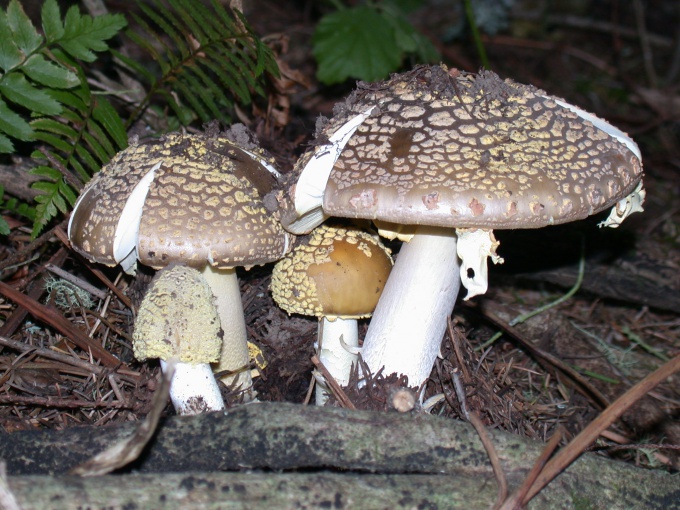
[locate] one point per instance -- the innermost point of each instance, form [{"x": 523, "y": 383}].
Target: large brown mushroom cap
[
  {"x": 332, "y": 272},
  {"x": 454, "y": 149},
  {"x": 205, "y": 204}
]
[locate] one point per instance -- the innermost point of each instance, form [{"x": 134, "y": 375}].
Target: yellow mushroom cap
[
  {"x": 178, "y": 319},
  {"x": 333, "y": 272}
]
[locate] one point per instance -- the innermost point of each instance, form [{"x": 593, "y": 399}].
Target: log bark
[{"x": 354, "y": 454}]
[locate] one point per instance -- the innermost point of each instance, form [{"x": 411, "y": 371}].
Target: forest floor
[{"x": 620, "y": 325}]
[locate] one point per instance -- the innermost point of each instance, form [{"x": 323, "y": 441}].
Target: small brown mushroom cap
[
  {"x": 205, "y": 204},
  {"x": 452, "y": 149},
  {"x": 178, "y": 319},
  {"x": 332, "y": 272}
]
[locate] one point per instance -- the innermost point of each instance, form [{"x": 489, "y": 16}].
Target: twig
[
  {"x": 69, "y": 360},
  {"x": 79, "y": 282},
  {"x": 546, "y": 358},
  {"x": 493, "y": 457},
  {"x": 515, "y": 499},
  {"x": 57, "y": 321},
  {"x": 333, "y": 385},
  {"x": 578, "y": 445},
  {"x": 59, "y": 232},
  {"x": 63, "y": 403},
  {"x": 29, "y": 248},
  {"x": 128, "y": 450}
]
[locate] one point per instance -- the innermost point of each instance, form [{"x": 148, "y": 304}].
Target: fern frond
[
  {"x": 31, "y": 63},
  {"x": 85, "y": 137},
  {"x": 209, "y": 58},
  {"x": 16, "y": 207}
]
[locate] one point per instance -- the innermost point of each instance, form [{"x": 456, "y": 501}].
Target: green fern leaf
[
  {"x": 84, "y": 35},
  {"x": 52, "y": 25},
  {"x": 6, "y": 144},
  {"x": 10, "y": 54},
  {"x": 49, "y": 74},
  {"x": 209, "y": 58},
  {"x": 24, "y": 33},
  {"x": 106, "y": 115},
  {"x": 14, "y": 125},
  {"x": 16, "y": 88}
]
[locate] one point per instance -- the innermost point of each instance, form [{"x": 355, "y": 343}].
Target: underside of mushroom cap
[{"x": 452, "y": 149}]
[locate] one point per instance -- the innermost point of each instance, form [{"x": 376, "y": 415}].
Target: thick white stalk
[
  {"x": 408, "y": 324},
  {"x": 234, "y": 356},
  {"x": 338, "y": 344},
  {"x": 193, "y": 389}
]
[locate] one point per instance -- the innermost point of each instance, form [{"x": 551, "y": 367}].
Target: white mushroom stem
[
  {"x": 193, "y": 389},
  {"x": 408, "y": 325},
  {"x": 338, "y": 351},
  {"x": 224, "y": 285}
]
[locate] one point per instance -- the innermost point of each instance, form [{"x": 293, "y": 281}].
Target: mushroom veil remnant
[
  {"x": 178, "y": 320},
  {"x": 336, "y": 274},
  {"x": 442, "y": 158},
  {"x": 199, "y": 200}
]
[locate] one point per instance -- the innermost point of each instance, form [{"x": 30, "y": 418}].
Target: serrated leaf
[
  {"x": 10, "y": 55},
  {"x": 56, "y": 127},
  {"x": 45, "y": 171},
  {"x": 355, "y": 43},
  {"x": 50, "y": 16},
  {"x": 24, "y": 33},
  {"x": 16, "y": 88},
  {"x": 108, "y": 117},
  {"x": 49, "y": 74},
  {"x": 87, "y": 158},
  {"x": 6, "y": 145},
  {"x": 4, "y": 227},
  {"x": 13, "y": 124},
  {"x": 84, "y": 35},
  {"x": 55, "y": 141}
]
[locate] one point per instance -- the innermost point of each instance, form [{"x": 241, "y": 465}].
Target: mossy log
[{"x": 313, "y": 457}]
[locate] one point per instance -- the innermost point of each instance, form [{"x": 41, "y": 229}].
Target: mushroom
[
  {"x": 199, "y": 200},
  {"x": 451, "y": 156},
  {"x": 336, "y": 274},
  {"x": 178, "y": 320}
]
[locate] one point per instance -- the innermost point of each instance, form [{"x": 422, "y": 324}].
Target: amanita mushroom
[
  {"x": 198, "y": 200},
  {"x": 455, "y": 155},
  {"x": 336, "y": 274},
  {"x": 178, "y": 320}
]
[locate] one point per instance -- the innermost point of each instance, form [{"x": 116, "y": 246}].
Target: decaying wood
[{"x": 323, "y": 442}]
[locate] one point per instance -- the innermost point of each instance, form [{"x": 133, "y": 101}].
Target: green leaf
[
  {"x": 4, "y": 227},
  {"x": 51, "y": 21},
  {"x": 10, "y": 55},
  {"x": 49, "y": 74},
  {"x": 13, "y": 124},
  {"x": 56, "y": 127},
  {"x": 83, "y": 34},
  {"x": 355, "y": 43},
  {"x": 24, "y": 33},
  {"x": 16, "y": 88},
  {"x": 6, "y": 145},
  {"x": 108, "y": 117}
]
